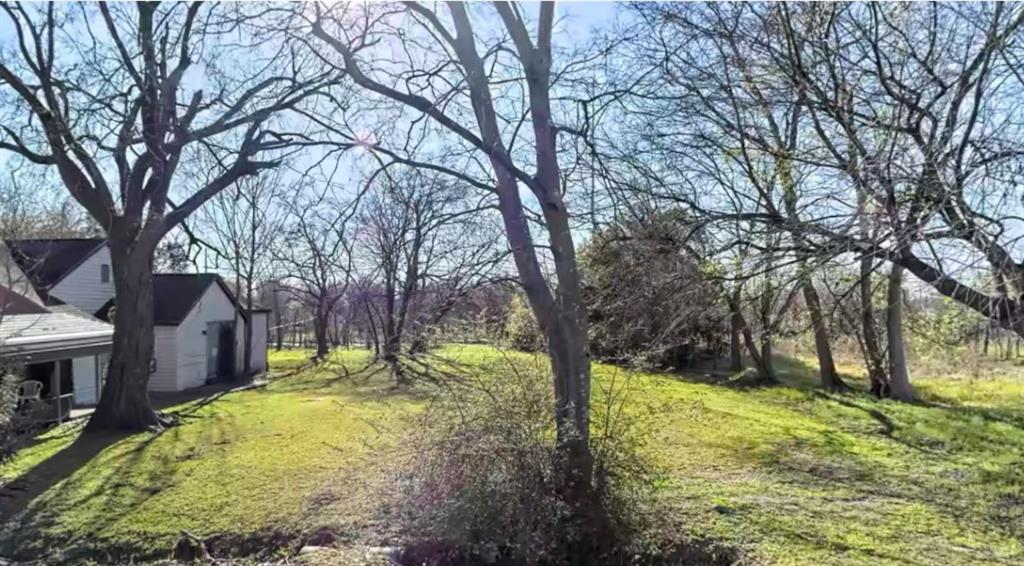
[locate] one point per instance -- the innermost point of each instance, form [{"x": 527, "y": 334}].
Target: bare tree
[
  {"x": 315, "y": 258},
  {"x": 907, "y": 124},
  {"x": 708, "y": 92},
  {"x": 240, "y": 225},
  {"x": 102, "y": 95},
  {"x": 479, "y": 101},
  {"x": 902, "y": 101},
  {"x": 424, "y": 237}
]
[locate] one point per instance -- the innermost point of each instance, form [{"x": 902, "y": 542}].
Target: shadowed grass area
[{"x": 787, "y": 473}]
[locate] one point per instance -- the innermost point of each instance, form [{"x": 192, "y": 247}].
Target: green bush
[{"x": 521, "y": 328}]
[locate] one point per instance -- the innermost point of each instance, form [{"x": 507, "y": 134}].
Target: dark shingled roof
[
  {"x": 175, "y": 295},
  {"x": 46, "y": 262},
  {"x": 14, "y": 303}
]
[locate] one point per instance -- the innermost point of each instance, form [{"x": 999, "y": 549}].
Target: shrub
[
  {"x": 10, "y": 435},
  {"x": 650, "y": 298},
  {"x": 521, "y": 328},
  {"x": 475, "y": 480}
]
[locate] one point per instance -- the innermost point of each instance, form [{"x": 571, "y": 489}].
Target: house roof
[
  {"x": 175, "y": 295},
  {"x": 35, "y": 331},
  {"x": 46, "y": 262},
  {"x": 13, "y": 303}
]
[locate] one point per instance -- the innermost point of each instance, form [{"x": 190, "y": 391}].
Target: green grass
[
  {"x": 787, "y": 474},
  {"x": 247, "y": 463}
]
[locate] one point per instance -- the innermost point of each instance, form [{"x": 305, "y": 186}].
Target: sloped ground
[{"x": 786, "y": 473}]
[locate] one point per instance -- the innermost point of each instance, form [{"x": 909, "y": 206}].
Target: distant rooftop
[{"x": 46, "y": 261}]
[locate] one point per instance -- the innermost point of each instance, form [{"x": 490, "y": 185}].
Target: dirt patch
[
  {"x": 261, "y": 545},
  {"x": 692, "y": 553}
]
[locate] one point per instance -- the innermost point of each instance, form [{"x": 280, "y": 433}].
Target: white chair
[{"x": 30, "y": 390}]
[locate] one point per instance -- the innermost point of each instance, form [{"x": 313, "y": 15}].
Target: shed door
[
  {"x": 220, "y": 350},
  {"x": 212, "y": 348},
  {"x": 226, "y": 351}
]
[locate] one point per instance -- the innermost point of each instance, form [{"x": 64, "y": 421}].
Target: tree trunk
[
  {"x": 874, "y": 358},
  {"x": 570, "y": 365},
  {"x": 392, "y": 341},
  {"x": 279, "y": 328},
  {"x": 735, "y": 330},
  {"x": 899, "y": 374},
  {"x": 392, "y": 348},
  {"x": 763, "y": 365},
  {"x": 372, "y": 331},
  {"x": 830, "y": 379},
  {"x": 392, "y": 333},
  {"x": 320, "y": 331},
  {"x": 247, "y": 338},
  {"x": 766, "y": 354},
  {"x": 124, "y": 402}
]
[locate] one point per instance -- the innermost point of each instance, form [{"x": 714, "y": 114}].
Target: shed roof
[{"x": 175, "y": 295}]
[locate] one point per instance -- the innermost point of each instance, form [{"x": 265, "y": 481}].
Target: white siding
[
  {"x": 83, "y": 374},
  {"x": 83, "y": 288},
  {"x": 191, "y": 338},
  {"x": 258, "y": 359},
  {"x": 165, "y": 347}
]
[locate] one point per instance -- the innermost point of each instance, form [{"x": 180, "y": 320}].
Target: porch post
[
  {"x": 55, "y": 387},
  {"x": 96, "y": 378}
]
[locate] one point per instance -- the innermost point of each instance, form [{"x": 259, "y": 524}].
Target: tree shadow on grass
[
  {"x": 70, "y": 478},
  {"x": 789, "y": 372},
  {"x": 94, "y": 490},
  {"x": 336, "y": 379},
  {"x": 1003, "y": 415},
  {"x": 18, "y": 495}
]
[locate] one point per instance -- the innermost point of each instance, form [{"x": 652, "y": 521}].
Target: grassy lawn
[{"x": 787, "y": 474}]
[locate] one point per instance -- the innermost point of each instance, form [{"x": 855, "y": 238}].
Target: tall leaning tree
[
  {"x": 115, "y": 98},
  {"x": 483, "y": 78}
]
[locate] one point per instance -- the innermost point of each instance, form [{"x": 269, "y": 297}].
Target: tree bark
[
  {"x": 874, "y": 358},
  {"x": 320, "y": 331},
  {"x": 766, "y": 355},
  {"x": 371, "y": 330},
  {"x": 763, "y": 365},
  {"x": 247, "y": 337},
  {"x": 899, "y": 373},
  {"x": 830, "y": 379},
  {"x": 278, "y": 326},
  {"x": 735, "y": 331},
  {"x": 124, "y": 402}
]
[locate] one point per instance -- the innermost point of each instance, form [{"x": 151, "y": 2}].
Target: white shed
[{"x": 199, "y": 332}]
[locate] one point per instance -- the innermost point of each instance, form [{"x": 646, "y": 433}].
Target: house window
[{"x": 105, "y": 273}]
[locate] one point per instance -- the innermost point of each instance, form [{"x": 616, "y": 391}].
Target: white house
[
  {"x": 199, "y": 330},
  {"x": 58, "y": 345}
]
